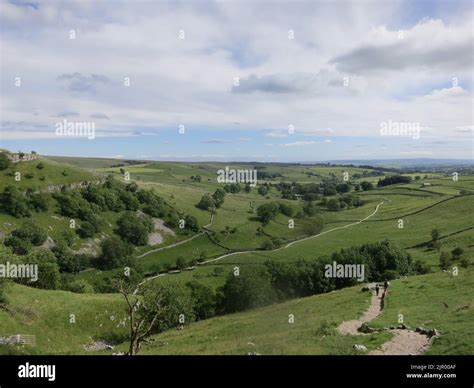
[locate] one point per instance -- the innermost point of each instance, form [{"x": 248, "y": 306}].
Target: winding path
[
  {"x": 404, "y": 341},
  {"x": 255, "y": 251},
  {"x": 300, "y": 240}
]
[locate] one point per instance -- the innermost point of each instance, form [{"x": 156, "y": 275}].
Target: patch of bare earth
[
  {"x": 404, "y": 342},
  {"x": 160, "y": 229}
]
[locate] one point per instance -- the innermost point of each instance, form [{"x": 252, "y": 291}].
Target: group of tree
[
  {"x": 258, "y": 285},
  {"x": 342, "y": 202},
  {"x": 212, "y": 202},
  {"x": 18, "y": 203},
  {"x": 28, "y": 234},
  {"x": 393, "y": 180},
  {"x": 447, "y": 258}
]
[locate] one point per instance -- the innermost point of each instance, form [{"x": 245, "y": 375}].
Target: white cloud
[
  {"x": 301, "y": 143},
  {"x": 333, "y": 79}
]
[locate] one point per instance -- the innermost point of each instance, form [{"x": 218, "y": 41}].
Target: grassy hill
[
  {"x": 51, "y": 174},
  {"x": 444, "y": 204},
  {"x": 437, "y": 300}
]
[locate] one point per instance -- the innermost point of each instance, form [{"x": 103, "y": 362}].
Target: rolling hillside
[{"x": 437, "y": 300}]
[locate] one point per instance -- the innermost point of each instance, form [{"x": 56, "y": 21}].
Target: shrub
[
  {"x": 204, "y": 300},
  {"x": 181, "y": 263},
  {"x": 287, "y": 210},
  {"x": 13, "y": 202},
  {"x": 267, "y": 212},
  {"x": 133, "y": 228},
  {"x": 18, "y": 245},
  {"x": 445, "y": 260},
  {"x": 333, "y": 205},
  {"x": 114, "y": 253},
  {"x": 457, "y": 253},
  {"x": 262, "y": 190},
  {"x": 4, "y": 161},
  {"x": 80, "y": 286},
  {"x": 31, "y": 231},
  {"x": 421, "y": 268},
  {"x": 191, "y": 223},
  {"x": 206, "y": 203},
  {"x": 86, "y": 230}
]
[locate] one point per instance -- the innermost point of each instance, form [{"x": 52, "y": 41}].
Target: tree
[
  {"x": 19, "y": 246},
  {"x": 393, "y": 180},
  {"x": 114, "y": 253},
  {"x": 132, "y": 187},
  {"x": 218, "y": 197},
  {"x": 262, "y": 190},
  {"x": 49, "y": 277},
  {"x": 310, "y": 209},
  {"x": 444, "y": 260},
  {"x": 191, "y": 223},
  {"x": 314, "y": 227},
  {"x": 206, "y": 203},
  {"x": 434, "y": 235},
  {"x": 30, "y": 231},
  {"x": 251, "y": 288},
  {"x": 267, "y": 212},
  {"x": 4, "y": 161},
  {"x": 14, "y": 202},
  {"x": 287, "y": 210},
  {"x": 133, "y": 228},
  {"x": 204, "y": 300},
  {"x": 333, "y": 205},
  {"x": 129, "y": 200},
  {"x": 343, "y": 188},
  {"x": 457, "y": 253},
  {"x": 67, "y": 262},
  {"x": 38, "y": 202},
  {"x": 86, "y": 230},
  {"x": 366, "y": 186},
  {"x": 181, "y": 263},
  {"x": 153, "y": 308}
]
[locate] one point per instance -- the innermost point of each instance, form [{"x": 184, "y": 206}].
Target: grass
[
  {"x": 47, "y": 315},
  {"x": 52, "y": 174},
  {"x": 440, "y": 301},
  {"x": 422, "y": 208}
]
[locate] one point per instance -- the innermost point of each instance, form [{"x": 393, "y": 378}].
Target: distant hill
[{"x": 409, "y": 163}]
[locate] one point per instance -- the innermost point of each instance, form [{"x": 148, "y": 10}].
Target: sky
[{"x": 247, "y": 80}]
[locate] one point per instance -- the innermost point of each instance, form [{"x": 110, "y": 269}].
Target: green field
[{"x": 234, "y": 236}]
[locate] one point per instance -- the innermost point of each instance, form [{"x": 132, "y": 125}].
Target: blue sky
[{"x": 238, "y": 78}]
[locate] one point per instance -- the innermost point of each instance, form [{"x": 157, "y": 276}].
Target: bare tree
[{"x": 153, "y": 308}]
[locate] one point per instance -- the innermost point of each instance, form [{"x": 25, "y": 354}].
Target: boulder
[
  {"x": 364, "y": 328},
  {"x": 359, "y": 348}
]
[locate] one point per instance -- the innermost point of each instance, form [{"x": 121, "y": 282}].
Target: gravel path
[{"x": 404, "y": 342}]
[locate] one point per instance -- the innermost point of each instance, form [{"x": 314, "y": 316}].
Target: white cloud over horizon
[{"x": 349, "y": 67}]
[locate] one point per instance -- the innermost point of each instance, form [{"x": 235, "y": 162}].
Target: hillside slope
[{"x": 438, "y": 300}]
